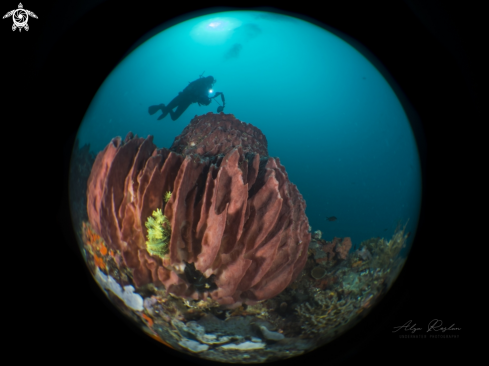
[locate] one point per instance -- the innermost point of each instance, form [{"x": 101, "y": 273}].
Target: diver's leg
[
  {"x": 173, "y": 104},
  {"x": 181, "y": 108},
  {"x": 155, "y": 108},
  {"x": 165, "y": 112}
]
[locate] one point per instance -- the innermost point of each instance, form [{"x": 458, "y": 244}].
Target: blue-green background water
[{"x": 327, "y": 112}]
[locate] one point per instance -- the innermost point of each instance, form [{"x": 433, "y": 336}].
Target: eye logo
[{"x": 20, "y": 17}]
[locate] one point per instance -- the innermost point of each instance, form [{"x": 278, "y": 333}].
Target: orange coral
[
  {"x": 157, "y": 338},
  {"x": 94, "y": 242},
  {"x": 93, "y": 238},
  {"x": 148, "y": 320},
  {"x": 356, "y": 264},
  {"x": 89, "y": 236},
  {"x": 99, "y": 262},
  {"x": 102, "y": 249}
]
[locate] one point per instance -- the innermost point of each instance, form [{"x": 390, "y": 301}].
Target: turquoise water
[{"x": 327, "y": 112}]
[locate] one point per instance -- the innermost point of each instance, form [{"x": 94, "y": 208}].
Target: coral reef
[
  {"x": 233, "y": 214},
  {"x": 350, "y": 286},
  {"x": 329, "y": 253},
  {"x": 323, "y": 301},
  {"x": 207, "y": 247},
  {"x": 327, "y": 313},
  {"x": 342, "y": 247},
  {"x": 380, "y": 252},
  {"x": 95, "y": 245},
  {"x": 364, "y": 254},
  {"x": 126, "y": 294},
  {"x": 269, "y": 335},
  {"x": 318, "y": 272}
]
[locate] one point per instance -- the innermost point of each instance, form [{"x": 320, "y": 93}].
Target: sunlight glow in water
[{"x": 214, "y": 30}]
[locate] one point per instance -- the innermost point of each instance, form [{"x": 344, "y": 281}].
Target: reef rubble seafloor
[
  {"x": 328, "y": 292},
  {"x": 309, "y": 313}
]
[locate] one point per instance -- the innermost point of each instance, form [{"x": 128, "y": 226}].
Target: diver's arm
[
  {"x": 222, "y": 97},
  {"x": 204, "y": 101}
]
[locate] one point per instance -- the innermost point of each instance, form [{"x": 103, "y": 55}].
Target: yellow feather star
[{"x": 159, "y": 234}]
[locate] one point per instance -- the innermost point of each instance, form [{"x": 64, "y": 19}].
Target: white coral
[{"x": 132, "y": 300}]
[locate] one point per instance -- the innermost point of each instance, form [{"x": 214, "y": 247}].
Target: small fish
[{"x": 332, "y": 218}]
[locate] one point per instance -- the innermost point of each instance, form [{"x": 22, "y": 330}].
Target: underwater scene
[{"x": 245, "y": 186}]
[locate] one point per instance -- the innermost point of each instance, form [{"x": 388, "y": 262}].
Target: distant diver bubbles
[{"x": 212, "y": 30}]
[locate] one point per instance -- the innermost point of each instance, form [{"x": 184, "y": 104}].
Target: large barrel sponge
[{"x": 236, "y": 219}]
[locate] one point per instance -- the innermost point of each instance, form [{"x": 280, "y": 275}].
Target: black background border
[{"x": 430, "y": 50}]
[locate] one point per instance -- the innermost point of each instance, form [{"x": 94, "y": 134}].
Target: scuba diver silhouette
[{"x": 198, "y": 91}]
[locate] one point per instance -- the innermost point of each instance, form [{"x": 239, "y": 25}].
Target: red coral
[
  {"x": 234, "y": 213},
  {"x": 342, "y": 246},
  {"x": 327, "y": 248},
  {"x": 338, "y": 248}
]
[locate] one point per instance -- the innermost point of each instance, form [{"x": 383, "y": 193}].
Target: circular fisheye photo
[{"x": 245, "y": 186}]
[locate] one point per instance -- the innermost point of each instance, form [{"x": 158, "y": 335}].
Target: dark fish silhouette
[{"x": 332, "y": 218}]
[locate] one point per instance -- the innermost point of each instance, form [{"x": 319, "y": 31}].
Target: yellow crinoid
[
  {"x": 159, "y": 234},
  {"x": 167, "y": 196}
]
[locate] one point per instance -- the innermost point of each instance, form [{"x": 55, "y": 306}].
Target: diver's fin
[
  {"x": 165, "y": 112},
  {"x": 154, "y": 108}
]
